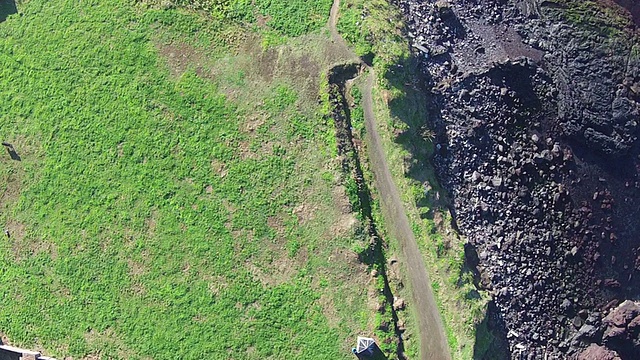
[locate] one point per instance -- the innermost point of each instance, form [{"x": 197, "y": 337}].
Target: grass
[
  {"x": 606, "y": 20},
  {"x": 402, "y": 123},
  {"x": 173, "y": 214}
]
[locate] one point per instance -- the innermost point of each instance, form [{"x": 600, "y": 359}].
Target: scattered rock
[
  {"x": 535, "y": 111},
  {"x": 398, "y": 303},
  {"x": 597, "y": 352}
]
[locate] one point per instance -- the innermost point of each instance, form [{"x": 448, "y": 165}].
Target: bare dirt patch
[
  {"x": 13, "y": 174},
  {"x": 219, "y": 168},
  {"x": 341, "y": 200},
  {"x": 98, "y": 339},
  {"x": 180, "y": 57},
  {"x": 329, "y": 310},
  {"x": 343, "y": 226},
  {"x": 254, "y": 122},
  {"x": 295, "y": 63},
  {"x": 136, "y": 268},
  {"x": 217, "y": 283},
  {"x": 245, "y": 152},
  {"x": 91, "y": 357},
  {"x": 151, "y": 223},
  {"x": 305, "y": 212},
  {"x": 16, "y": 230},
  {"x": 280, "y": 271},
  {"x": 275, "y": 265},
  {"x": 350, "y": 270},
  {"x": 277, "y": 223},
  {"x": 24, "y": 247}
]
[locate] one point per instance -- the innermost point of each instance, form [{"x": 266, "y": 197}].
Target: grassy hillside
[{"x": 176, "y": 195}]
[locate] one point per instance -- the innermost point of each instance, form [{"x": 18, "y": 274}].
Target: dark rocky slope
[{"x": 535, "y": 106}]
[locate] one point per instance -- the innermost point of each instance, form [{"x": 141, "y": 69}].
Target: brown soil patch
[
  {"x": 251, "y": 350},
  {"x": 219, "y": 168},
  {"x": 98, "y": 340},
  {"x": 254, "y": 122},
  {"x": 244, "y": 150},
  {"x": 136, "y": 268},
  {"x": 16, "y": 230},
  {"x": 138, "y": 289},
  {"x": 341, "y": 200},
  {"x": 290, "y": 62},
  {"x": 305, "y": 212},
  {"x": 273, "y": 266},
  {"x": 277, "y": 223},
  {"x": 24, "y": 247},
  {"x": 347, "y": 267},
  {"x": 151, "y": 223},
  {"x": 329, "y": 310},
  {"x": 281, "y": 270},
  {"x": 231, "y": 208},
  {"x": 91, "y": 357},
  {"x": 267, "y": 61},
  {"x": 343, "y": 226},
  {"x": 262, "y": 20},
  {"x": 180, "y": 57},
  {"x": 256, "y": 60},
  {"x": 217, "y": 283},
  {"x": 12, "y": 181}
]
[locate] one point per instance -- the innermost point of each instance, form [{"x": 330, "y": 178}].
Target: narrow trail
[
  {"x": 333, "y": 28},
  {"x": 433, "y": 342}
]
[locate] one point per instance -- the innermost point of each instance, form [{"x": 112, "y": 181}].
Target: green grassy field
[{"x": 178, "y": 193}]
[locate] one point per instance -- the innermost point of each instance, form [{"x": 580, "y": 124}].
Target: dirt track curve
[{"x": 433, "y": 342}]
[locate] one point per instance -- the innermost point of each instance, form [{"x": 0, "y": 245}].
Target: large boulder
[{"x": 597, "y": 352}]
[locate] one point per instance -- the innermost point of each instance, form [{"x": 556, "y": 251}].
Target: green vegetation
[
  {"x": 288, "y": 18},
  {"x": 176, "y": 196},
  {"x": 351, "y": 27},
  {"x": 373, "y": 28},
  {"x": 593, "y": 15},
  {"x": 357, "y": 113}
]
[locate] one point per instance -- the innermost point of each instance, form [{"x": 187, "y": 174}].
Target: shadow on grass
[
  {"x": 7, "y": 7},
  {"x": 12, "y": 151},
  {"x": 419, "y": 132},
  {"x": 491, "y": 340}
]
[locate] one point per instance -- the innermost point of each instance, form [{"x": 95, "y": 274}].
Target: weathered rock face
[
  {"x": 536, "y": 111},
  {"x": 597, "y": 352}
]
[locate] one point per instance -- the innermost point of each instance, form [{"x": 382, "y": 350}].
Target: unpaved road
[{"x": 433, "y": 342}]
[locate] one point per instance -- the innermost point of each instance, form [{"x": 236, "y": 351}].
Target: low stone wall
[{"x": 13, "y": 353}]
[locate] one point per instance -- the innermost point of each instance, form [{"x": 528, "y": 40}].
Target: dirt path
[
  {"x": 333, "y": 28},
  {"x": 433, "y": 342}
]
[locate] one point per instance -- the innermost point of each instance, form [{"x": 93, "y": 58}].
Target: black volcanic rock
[{"x": 535, "y": 107}]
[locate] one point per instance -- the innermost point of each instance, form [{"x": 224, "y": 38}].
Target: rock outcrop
[{"x": 535, "y": 106}]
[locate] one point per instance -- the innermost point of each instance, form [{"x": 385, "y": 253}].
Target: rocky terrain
[{"x": 535, "y": 107}]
